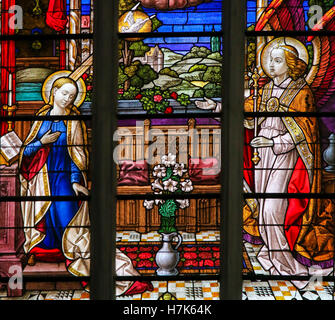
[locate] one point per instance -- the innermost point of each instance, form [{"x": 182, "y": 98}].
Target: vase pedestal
[{"x": 163, "y": 272}]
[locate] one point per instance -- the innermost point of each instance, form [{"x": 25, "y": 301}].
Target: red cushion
[
  {"x": 133, "y": 173},
  {"x": 204, "y": 171}
]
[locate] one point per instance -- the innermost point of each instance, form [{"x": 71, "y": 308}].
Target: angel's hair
[{"x": 296, "y": 66}]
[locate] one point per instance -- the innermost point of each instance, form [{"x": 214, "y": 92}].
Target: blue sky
[{"x": 204, "y": 17}]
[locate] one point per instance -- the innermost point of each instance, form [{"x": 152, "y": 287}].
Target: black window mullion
[
  {"x": 232, "y": 150},
  {"x": 103, "y": 211}
]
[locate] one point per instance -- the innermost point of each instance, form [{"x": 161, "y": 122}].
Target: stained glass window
[
  {"x": 172, "y": 222},
  {"x": 46, "y": 86},
  {"x": 288, "y": 218},
  {"x": 168, "y": 153}
]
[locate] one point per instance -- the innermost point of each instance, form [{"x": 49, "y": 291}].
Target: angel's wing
[
  {"x": 130, "y": 15},
  {"x": 140, "y": 23},
  {"x": 321, "y": 77},
  {"x": 129, "y": 18},
  {"x": 282, "y": 15}
]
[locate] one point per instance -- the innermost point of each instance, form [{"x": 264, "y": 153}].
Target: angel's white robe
[{"x": 272, "y": 175}]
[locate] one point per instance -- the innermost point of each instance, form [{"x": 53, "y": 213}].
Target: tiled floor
[
  {"x": 190, "y": 290},
  {"x": 199, "y": 290},
  {"x": 284, "y": 290},
  {"x": 281, "y": 290},
  {"x": 49, "y": 295}
]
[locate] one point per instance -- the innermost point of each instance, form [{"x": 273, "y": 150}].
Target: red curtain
[
  {"x": 56, "y": 19},
  {"x": 7, "y": 60}
]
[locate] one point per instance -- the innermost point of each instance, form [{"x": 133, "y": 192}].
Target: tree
[
  {"x": 131, "y": 70},
  {"x": 213, "y": 75},
  {"x": 197, "y": 52},
  {"x": 146, "y": 73},
  {"x": 136, "y": 82},
  {"x": 137, "y": 74},
  {"x": 216, "y": 56},
  {"x": 212, "y": 90},
  {"x": 169, "y": 72},
  {"x": 122, "y": 77},
  {"x": 199, "y": 93},
  {"x": 139, "y": 48}
]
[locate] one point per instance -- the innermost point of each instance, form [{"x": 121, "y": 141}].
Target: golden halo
[
  {"x": 47, "y": 85},
  {"x": 302, "y": 51}
]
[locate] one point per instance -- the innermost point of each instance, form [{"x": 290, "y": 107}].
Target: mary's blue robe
[{"x": 62, "y": 173}]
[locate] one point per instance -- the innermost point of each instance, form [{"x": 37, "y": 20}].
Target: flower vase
[
  {"x": 167, "y": 257},
  {"x": 329, "y": 154}
]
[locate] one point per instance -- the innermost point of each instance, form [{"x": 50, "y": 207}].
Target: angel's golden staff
[{"x": 255, "y": 78}]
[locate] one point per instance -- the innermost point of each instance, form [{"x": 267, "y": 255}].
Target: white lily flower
[
  {"x": 186, "y": 186},
  {"x": 170, "y": 185},
  {"x": 148, "y": 204},
  {"x": 159, "y": 202},
  {"x": 179, "y": 169},
  {"x": 183, "y": 203},
  {"x": 159, "y": 171},
  {"x": 169, "y": 160},
  {"x": 156, "y": 185}
]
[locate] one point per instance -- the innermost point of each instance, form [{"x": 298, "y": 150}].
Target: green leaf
[
  {"x": 175, "y": 178},
  {"x": 169, "y": 173},
  {"x": 168, "y": 209},
  {"x": 156, "y": 23}
]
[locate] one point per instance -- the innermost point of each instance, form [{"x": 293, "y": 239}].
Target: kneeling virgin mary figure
[{"x": 53, "y": 163}]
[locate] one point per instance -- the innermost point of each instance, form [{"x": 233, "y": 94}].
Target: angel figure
[{"x": 296, "y": 234}]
